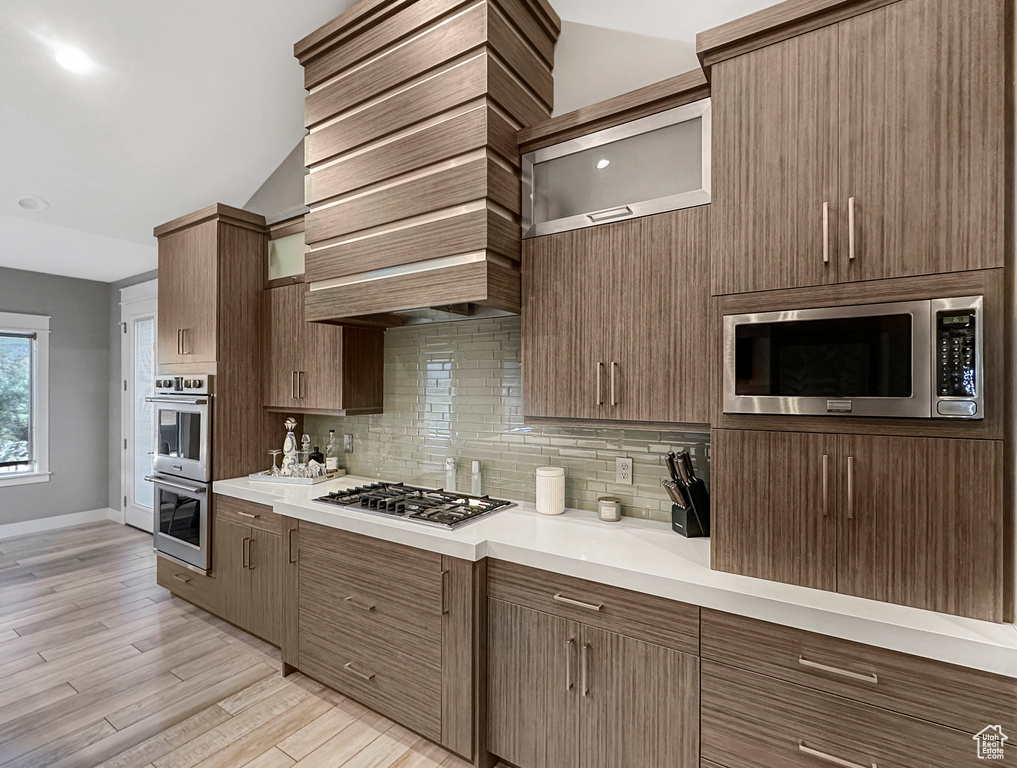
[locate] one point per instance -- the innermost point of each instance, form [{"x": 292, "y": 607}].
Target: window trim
[{"x": 39, "y": 325}]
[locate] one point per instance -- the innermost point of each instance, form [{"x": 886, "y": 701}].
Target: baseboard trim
[{"x": 10, "y": 530}]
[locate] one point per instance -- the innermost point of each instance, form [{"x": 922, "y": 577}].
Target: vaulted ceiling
[{"x": 189, "y": 102}]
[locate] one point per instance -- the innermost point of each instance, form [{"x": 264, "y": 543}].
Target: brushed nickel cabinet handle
[
  {"x": 613, "y": 213},
  {"x": 569, "y": 646},
  {"x": 614, "y": 368},
  {"x": 586, "y": 669},
  {"x": 301, "y": 385},
  {"x": 289, "y": 543},
  {"x": 180, "y": 342},
  {"x": 293, "y": 385},
  {"x": 365, "y": 606},
  {"x": 250, "y": 553},
  {"x": 183, "y": 342},
  {"x": 248, "y": 514},
  {"x": 851, "y": 229},
  {"x": 826, "y": 484},
  {"x": 831, "y": 758},
  {"x": 600, "y": 369},
  {"x": 348, "y": 666},
  {"x": 869, "y": 678},
  {"x": 851, "y": 488},
  {"x": 184, "y": 579},
  {"x": 244, "y": 552},
  {"x": 578, "y": 603},
  {"x": 444, "y": 592},
  {"x": 826, "y": 233}
]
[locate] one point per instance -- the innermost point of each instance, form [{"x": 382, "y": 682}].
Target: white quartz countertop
[{"x": 647, "y": 556}]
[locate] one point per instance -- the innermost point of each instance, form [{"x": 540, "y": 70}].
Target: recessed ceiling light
[
  {"x": 74, "y": 59},
  {"x": 601, "y": 165},
  {"x": 32, "y": 203}
]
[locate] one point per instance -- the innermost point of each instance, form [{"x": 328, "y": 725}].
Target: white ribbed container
[{"x": 550, "y": 490}]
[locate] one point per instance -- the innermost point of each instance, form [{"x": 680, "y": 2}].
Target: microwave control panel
[{"x": 957, "y": 363}]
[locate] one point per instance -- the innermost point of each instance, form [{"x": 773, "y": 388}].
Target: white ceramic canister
[{"x": 550, "y": 490}]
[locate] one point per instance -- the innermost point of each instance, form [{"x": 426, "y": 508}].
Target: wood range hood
[{"x": 414, "y": 183}]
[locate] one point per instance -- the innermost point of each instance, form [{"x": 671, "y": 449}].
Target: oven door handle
[
  {"x": 168, "y": 484},
  {"x": 178, "y": 400}
]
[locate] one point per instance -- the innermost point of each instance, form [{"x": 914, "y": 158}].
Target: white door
[{"x": 138, "y": 312}]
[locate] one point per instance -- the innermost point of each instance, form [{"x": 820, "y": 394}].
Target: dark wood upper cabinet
[
  {"x": 775, "y": 501},
  {"x": 922, "y": 523},
  {"x": 614, "y": 321},
  {"x": 907, "y": 520},
  {"x": 870, "y": 148},
  {"x": 317, "y": 367},
  {"x": 775, "y": 124}
]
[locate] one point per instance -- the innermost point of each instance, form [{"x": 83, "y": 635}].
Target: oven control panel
[
  {"x": 957, "y": 363},
  {"x": 183, "y": 385}
]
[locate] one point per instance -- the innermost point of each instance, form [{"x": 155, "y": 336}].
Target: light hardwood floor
[{"x": 100, "y": 666}]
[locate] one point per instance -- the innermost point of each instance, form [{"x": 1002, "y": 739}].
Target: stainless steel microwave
[{"x": 913, "y": 359}]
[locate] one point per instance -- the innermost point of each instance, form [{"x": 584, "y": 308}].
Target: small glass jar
[{"x": 609, "y": 509}]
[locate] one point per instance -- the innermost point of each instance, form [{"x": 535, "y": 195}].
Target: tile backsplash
[{"x": 455, "y": 389}]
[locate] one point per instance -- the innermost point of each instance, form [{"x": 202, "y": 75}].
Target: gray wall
[
  {"x": 282, "y": 194},
  {"x": 78, "y": 393},
  {"x": 116, "y": 390}
]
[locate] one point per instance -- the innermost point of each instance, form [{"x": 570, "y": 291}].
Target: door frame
[{"x": 136, "y": 301}]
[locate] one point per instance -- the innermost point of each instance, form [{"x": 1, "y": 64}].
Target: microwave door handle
[{"x": 168, "y": 484}]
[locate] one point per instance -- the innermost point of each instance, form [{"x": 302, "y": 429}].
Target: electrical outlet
[
  {"x": 348, "y": 443},
  {"x": 623, "y": 471}
]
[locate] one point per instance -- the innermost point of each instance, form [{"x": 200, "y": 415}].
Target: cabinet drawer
[
  {"x": 643, "y": 617},
  {"x": 930, "y": 690},
  {"x": 381, "y": 613},
  {"x": 414, "y": 575},
  {"x": 247, "y": 513},
  {"x": 753, "y": 721},
  {"x": 190, "y": 585},
  {"x": 393, "y": 683}
]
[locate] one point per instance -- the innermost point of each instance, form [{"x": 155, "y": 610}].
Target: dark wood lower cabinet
[{"x": 563, "y": 694}]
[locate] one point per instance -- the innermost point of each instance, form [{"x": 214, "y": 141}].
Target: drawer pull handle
[
  {"x": 365, "y": 677},
  {"x": 355, "y": 604},
  {"x": 247, "y": 514},
  {"x": 865, "y": 678},
  {"x": 184, "y": 579},
  {"x": 831, "y": 759},
  {"x": 578, "y": 603}
]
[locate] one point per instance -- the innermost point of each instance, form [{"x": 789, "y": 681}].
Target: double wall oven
[
  {"x": 913, "y": 359},
  {"x": 183, "y": 468}
]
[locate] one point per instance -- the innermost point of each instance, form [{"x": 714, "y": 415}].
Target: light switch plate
[{"x": 623, "y": 471}]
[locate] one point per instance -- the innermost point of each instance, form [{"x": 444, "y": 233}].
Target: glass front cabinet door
[{"x": 651, "y": 165}]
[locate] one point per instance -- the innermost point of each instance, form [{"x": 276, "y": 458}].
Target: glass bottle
[{"x": 331, "y": 453}]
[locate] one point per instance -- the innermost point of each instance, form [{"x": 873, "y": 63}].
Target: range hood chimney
[{"x": 414, "y": 187}]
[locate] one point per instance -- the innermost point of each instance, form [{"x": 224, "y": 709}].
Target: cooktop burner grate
[{"x": 425, "y": 505}]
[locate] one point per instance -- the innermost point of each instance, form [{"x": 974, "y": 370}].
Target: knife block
[{"x": 693, "y": 521}]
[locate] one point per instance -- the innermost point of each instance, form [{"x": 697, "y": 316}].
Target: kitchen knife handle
[
  {"x": 614, "y": 368},
  {"x": 600, "y": 369},
  {"x": 826, "y": 484},
  {"x": 851, "y": 229},
  {"x": 826, "y": 233},
  {"x": 851, "y": 488}
]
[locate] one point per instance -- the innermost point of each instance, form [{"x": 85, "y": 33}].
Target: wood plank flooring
[{"x": 101, "y": 667}]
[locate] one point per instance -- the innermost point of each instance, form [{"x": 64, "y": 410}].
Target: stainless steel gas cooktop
[{"x": 422, "y": 505}]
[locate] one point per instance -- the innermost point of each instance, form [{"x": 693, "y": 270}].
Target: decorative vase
[{"x": 289, "y": 461}]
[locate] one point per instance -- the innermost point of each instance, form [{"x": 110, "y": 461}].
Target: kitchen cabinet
[
  {"x": 566, "y": 691},
  {"x": 388, "y": 625},
  {"x": 919, "y": 521},
  {"x": 190, "y": 584},
  {"x": 614, "y": 317},
  {"x": 866, "y": 149},
  {"x": 211, "y": 274},
  {"x": 317, "y": 367},
  {"x": 247, "y": 558},
  {"x": 775, "y": 506}
]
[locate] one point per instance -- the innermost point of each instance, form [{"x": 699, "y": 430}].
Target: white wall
[{"x": 593, "y": 64}]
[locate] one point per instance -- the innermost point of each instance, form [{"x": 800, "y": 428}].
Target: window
[{"x": 24, "y": 399}]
